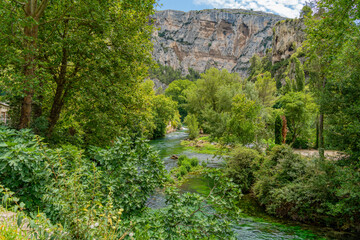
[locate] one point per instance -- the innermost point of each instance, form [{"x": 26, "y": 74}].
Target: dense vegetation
[
  {"x": 306, "y": 101},
  {"x": 75, "y": 162}
]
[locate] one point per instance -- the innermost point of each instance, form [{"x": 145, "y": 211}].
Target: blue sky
[{"x": 285, "y": 8}]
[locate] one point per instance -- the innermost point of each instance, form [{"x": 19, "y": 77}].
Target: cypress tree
[{"x": 278, "y": 130}]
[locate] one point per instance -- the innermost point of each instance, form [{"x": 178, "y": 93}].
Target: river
[{"x": 254, "y": 223}]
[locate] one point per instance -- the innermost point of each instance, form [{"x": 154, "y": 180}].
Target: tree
[
  {"x": 295, "y": 79},
  {"x": 327, "y": 32},
  {"x": 278, "y": 129},
  {"x": 177, "y": 91},
  {"x": 211, "y": 89},
  {"x": 266, "y": 86},
  {"x": 192, "y": 123},
  {"x": 298, "y": 107},
  {"x": 211, "y": 99},
  {"x": 89, "y": 56},
  {"x": 342, "y": 99},
  {"x": 22, "y": 34},
  {"x": 165, "y": 112},
  {"x": 245, "y": 122},
  {"x": 255, "y": 67}
]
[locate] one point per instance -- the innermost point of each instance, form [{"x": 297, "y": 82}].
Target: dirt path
[{"x": 332, "y": 154}]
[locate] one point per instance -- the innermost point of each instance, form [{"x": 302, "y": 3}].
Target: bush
[
  {"x": 301, "y": 143},
  {"x": 185, "y": 165},
  {"x": 102, "y": 195},
  {"x": 194, "y": 162},
  {"x": 309, "y": 190},
  {"x": 181, "y": 159},
  {"x": 193, "y": 125},
  {"x": 183, "y": 171},
  {"x": 74, "y": 190},
  {"x": 242, "y": 165}
]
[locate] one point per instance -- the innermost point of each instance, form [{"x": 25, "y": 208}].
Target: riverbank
[
  {"x": 203, "y": 145},
  {"x": 254, "y": 222}
]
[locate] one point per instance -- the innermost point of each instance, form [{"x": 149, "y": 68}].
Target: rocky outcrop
[
  {"x": 288, "y": 36},
  {"x": 221, "y": 38}
]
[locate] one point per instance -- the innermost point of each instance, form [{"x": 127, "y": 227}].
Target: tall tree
[
  {"x": 266, "y": 86},
  {"x": 25, "y": 16},
  {"x": 88, "y": 56},
  {"x": 327, "y": 32}
]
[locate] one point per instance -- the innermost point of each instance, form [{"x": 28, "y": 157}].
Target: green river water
[{"x": 254, "y": 223}]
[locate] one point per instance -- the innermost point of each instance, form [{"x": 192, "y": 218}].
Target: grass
[
  {"x": 203, "y": 145},
  {"x": 10, "y": 232}
]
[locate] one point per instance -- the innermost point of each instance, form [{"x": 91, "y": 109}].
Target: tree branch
[
  {"x": 67, "y": 18},
  {"x": 21, "y": 3},
  {"x": 41, "y": 8}
]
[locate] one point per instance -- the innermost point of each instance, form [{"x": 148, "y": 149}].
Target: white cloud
[{"x": 285, "y": 8}]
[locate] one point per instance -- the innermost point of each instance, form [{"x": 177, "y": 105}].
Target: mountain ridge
[{"x": 221, "y": 38}]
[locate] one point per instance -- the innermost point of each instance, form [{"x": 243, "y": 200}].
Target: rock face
[
  {"x": 288, "y": 36},
  {"x": 212, "y": 38}
]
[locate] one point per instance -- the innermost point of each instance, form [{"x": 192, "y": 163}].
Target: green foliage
[
  {"x": 23, "y": 167},
  {"x": 19, "y": 226},
  {"x": 192, "y": 123},
  {"x": 177, "y": 91},
  {"x": 165, "y": 112},
  {"x": 341, "y": 100},
  {"x": 185, "y": 165},
  {"x": 215, "y": 89},
  {"x": 278, "y": 130},
  {"x": 185, "y": 211},
  {"x": 308, "y": 190},
  {"x": 70, "y": 188},
  {"x": 295, "y": 80},
  {"x": 245, "y": 122},
  {"x": 103, "y": 194},
  {"x": 165, "y": 74},
  {"x": 282, "y": 166},
  {"x": 266, "y": 86},
  {"x": 306, "y": 11},
  {"x": 255, "y": 67},
  {"x": 226, "y": 106},
  {"x": 298, "y": 109},
  {"x": 80, "y": 74},
  {"x": 126, "y": 167},
  {"x": 242, "y": 165}
]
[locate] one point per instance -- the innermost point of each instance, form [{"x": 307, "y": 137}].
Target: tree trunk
[
  {"x": 321, "y": 127},
  {"x": 321, "y": 136},
  {"x": 56, "y": 108},
  {"x": 29, "y": 72},
  {"x": 32, "y": 10},
  {"x": 60, "y": 94},
  {"x": 317, "y": 133},
  {"x": 284, "y": 129}
]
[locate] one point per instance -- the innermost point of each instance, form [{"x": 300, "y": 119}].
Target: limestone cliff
[
  {"x": 221, "y": 38},
  {"x": 288, "y": 36}
]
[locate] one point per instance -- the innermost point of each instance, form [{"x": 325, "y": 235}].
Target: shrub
[
  {"x": 183, "y": 171},
  {"x": 88, "y": 193},
  {"x": 309, "y": 190},
  {"x": 242, "y": 165},
  {"x": 181, "y": 159},
  {"x": 193, "y": 125},
  {"x": 301, "y": 143},
  {"x": 185, "y": 165},
  {"x": 194, "y": 162}
]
